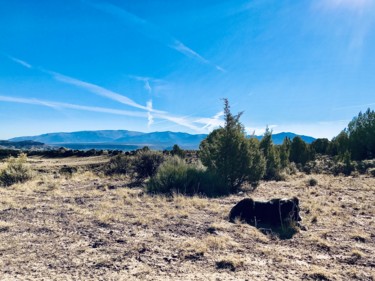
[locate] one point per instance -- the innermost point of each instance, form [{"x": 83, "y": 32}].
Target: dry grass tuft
[{"x": 230, "y": 262}]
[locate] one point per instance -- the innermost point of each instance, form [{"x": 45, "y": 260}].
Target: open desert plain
[{"x": 80, "y": 224}]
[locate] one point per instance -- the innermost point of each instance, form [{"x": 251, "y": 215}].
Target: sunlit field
[{"x": 87, "y": 226}]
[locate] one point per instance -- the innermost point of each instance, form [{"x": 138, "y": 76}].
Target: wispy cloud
[
  {"x": 259, "y": 130},
  {"x": 179, "y": 46},
  {"x": 147, "y": 81},
  {"x": 150, "y": 113},
  {"x": 57, "y": 105},
  {"x": 21, "y": 62},
  {"x": 147, "y": 86},
  {"x": 152, "y": 31},
  {"x": 211, "y": 123},
  {"x": 114, "y": 96},
  {"x": 98, "y": 90},
  {"x": 180, "y": 120}
]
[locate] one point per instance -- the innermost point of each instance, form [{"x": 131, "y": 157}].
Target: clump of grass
[
  {"x": 219, "y": 242},
  {"x": 318, "y": 276},
  {"x": 356, "y": 255},
  {"x": 314, "y": 219},
  {"x": 16, "y": 170},
  {"x": 229, "y": 262},
  {"x": 312, "y": 182},
  {"x": 359, "y": 236},
  {"x": 193, "y": 249},
  {"x": 67, "y": 171},
  {"x": 371, "y": 172},
  {"x": 4, "y": 226}
]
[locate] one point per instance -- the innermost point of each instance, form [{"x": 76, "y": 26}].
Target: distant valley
[{"x": 130, "y": 140}]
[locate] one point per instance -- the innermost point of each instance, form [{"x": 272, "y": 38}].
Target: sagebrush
[{"x": 16, "y": 170}]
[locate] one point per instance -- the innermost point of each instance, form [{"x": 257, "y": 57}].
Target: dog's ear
[{"x": 295, "y": 200}]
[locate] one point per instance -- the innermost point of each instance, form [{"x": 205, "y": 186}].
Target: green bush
[
  {"x": 344, "y": 165},
  {"x": 146, "y": 162},
  {"x": 299, "y": 151},
  {"x": 364, "y": 165},
  {"x": 272, "y": 156},
  {"x": 120, "y": 164},
  {"x": 371, "y": 172},
  {"x": 176, "y": 176},
  {"x": 16, "y": 170},
  {"x": 312, "y": 182}
]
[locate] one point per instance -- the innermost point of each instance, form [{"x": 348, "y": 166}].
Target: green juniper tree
[
  {"x": 272, "y": 156},
  {"x": 361, "y": 134},
  {"x": 299, "y": 151},
  {"x": 284, "y": 151},
  {"x": 230, "y": 156}
]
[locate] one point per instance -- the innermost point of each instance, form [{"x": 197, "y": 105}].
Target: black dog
[{"x": 273, "y": 213}]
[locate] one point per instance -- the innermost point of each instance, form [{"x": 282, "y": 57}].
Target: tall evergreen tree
[
  {"x": 227, "y": 153},
  {"x": 284, "y": 151},
  {"x": 299, "y": 152},
  {"x": 361, "y": 134},
  {"x": 320, "y": 145},
  {"x": 340, "y": 144},
  {"x": 271, "y": 154}
]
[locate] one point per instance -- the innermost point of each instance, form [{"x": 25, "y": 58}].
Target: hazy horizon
[
  {"x": 297, "y": 66},
  {"x": 249, "y": 134}
]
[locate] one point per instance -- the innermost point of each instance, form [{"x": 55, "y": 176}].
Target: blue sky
[{"x": 68, "y": 65}]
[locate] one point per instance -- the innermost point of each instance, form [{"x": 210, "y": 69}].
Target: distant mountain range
[{"x": 128, "y": 140}]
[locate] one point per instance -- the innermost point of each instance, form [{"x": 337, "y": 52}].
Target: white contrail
[
  {"x": 21, "y": 62},
  {"x": 182, "y": 121},
  {"x": 152, "y": 31},
  {"x": 73, "y": 106},
  {"x": 211, "y": 123},
  {"x": 150, "y": 113},
  {"x": 99, "y": 90},
  {"x": 145, "y": 80}
]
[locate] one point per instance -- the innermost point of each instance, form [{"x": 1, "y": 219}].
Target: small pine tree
[
  {"x": 339, "y": 144},
  {"x": 176, "y": 150},
  {"x": 320, "y": 146},
  {"x": 228, "y": 154},
  {"x": 272, "y": 156},
  {"x": 284, "y": 151}
]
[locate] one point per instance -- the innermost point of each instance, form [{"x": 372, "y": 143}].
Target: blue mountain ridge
[{"x": 156, "y": 140}]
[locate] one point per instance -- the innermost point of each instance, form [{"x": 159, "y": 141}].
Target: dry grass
[{"x": 90, "y": 227}]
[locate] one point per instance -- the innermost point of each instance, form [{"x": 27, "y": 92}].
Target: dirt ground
[{"x": 88, "y": 227}]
